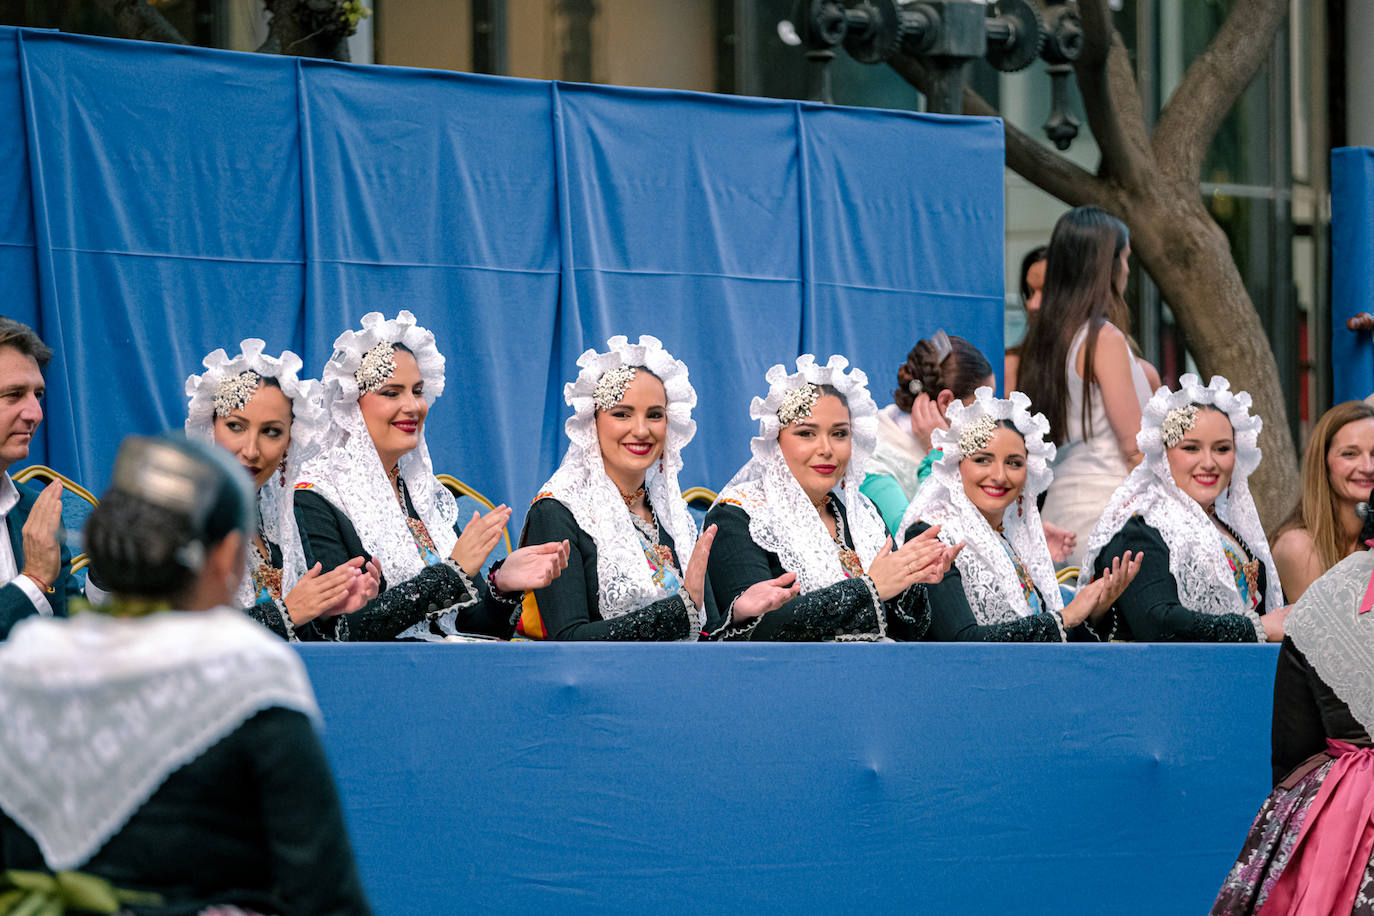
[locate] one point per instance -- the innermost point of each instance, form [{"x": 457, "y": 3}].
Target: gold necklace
[{"x": 630, "y": 497}]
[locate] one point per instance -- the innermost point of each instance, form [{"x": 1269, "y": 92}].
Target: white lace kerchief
[
  {"x": 1197, "y": 557},
  {"x": 349, "y": 473},
  {"x": 96, "y": 712},
  {"x": 781, "y": 518},
  {"x": 989, "y": 577},
  {"x": 309, "y": 424},
  {"x": 624, "y": 579},
  {"x": 1336, "y": 639}
]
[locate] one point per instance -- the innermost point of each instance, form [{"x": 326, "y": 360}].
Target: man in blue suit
[{"x": 35, "y": 565}]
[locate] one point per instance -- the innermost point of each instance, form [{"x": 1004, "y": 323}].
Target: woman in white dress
[{"x": 1078, "y": 369}]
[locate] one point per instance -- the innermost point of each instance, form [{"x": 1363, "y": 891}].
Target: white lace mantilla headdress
[
  {"x": 781, "y": 517},
  {"x": 1197, "y": 557},
  {"x": 624, "y": 579},
  {"x": 990, "y": 580},
  {"x": 96, "y": 712},
  {"x": 1336, "y": 639},
  {"x": 227, "y": 385},
  {"x": 349, "y": 472}
]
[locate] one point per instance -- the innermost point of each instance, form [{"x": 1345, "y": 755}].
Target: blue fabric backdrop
[
  {"x": 158, "y": 202},
  {"x": 1352, "y": 270},
  {"x": 933, "y": 778}
]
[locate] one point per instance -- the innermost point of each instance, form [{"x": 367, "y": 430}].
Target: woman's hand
[
  {"x": 531, "y": 567},
  {"x": 924, "y": 558},
  {"x": 361, "y": 590},
  {"x": 762, "y": 597},
  {"x": 479, "y": 538},
  {"x": 1274, "y": 623},
  {"x": 1097, "y": 597},
  {"x": 1061, "y": 541},
  {"x": 926, "y": 418},
  {"x": 695, "y": 575},
  {"x": 42, "y": 550},
  {"x": 318, "y": 594}
]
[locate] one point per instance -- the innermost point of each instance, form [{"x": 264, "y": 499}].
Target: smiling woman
[
  {"x": 1207, "y": 575},
  {"x": 372, "y": 493},
  {"x": 982, "y": 494},
  {"x": 793, "y": 521},
  {"x": 258, "y": 408}
]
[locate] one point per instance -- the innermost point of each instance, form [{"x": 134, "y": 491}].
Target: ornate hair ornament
[
  {"x": 943, "y": 346},
  {"x": 610, "y": 388},
  {"x": 235, "y": 391},
  {"x": 915, "y": 386},
  {"x": 977, "y": 435},
  {"x": 377, "y": 366},
  {"x": 797, "y": 403},
  {"x": 1177, "y": 423}
]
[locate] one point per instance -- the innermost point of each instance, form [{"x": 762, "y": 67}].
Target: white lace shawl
[
  {"x": 989, "y": 577},
  {"x": 1336, "y": 639},
  {"x": 349, "y": 472},
  {"x": 1197, "y": 558},
  {"x": 96, "y": 712},
  {"x": 308, "y": 426},
  {"x": 624, "y": 579},
  {"x": 781, "y": 518},
  {"x": 897, "y": 453}
]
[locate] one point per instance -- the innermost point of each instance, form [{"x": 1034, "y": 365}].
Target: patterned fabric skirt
[{"x": 1277, "y": 832}]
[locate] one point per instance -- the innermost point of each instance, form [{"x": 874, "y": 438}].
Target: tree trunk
[
  {"x": 1189, "y": 258},
  {"x": 136, "y": 19},
  {"x": 294, "y": 32}
]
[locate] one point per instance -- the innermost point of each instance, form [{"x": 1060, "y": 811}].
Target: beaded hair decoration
[
  {"x": 797, "y": 403},
  {"x": 977, "y": 435},
  {"x": 1177, "y": 423},
  {"x": 376, "y": 366},
  {"x": 610, "y": 388},
  {"x": 235, "y": 391}
]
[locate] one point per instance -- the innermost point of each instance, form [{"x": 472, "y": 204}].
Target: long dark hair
[
  {"x": 962, "y": 369},
  {"x": 1082, "y": 280}
]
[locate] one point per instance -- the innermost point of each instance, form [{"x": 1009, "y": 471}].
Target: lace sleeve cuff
[
  {"x": 1059, "y": 625},
  {"x": 879, "y": 613},
  {"x": 288, "y": 627},
  {"x": 732, "y": 629}
]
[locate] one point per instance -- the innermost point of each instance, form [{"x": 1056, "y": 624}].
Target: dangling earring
[
  {"x": 841, "y": 483},
  {"x": 282, "y": 469},
  {"x": 1020, "y": 505},
  {"x": 660, "y": 464}
]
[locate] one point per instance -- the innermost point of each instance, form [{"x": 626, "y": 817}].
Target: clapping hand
[
  {"x": 479, "y": 538},
  {"x": 533, "y": 566},
  {"x": 42, "y": 547}
]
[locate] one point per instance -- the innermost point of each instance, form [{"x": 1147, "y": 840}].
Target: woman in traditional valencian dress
[
  {"x": 258, "y": 408},
  {"x": 1309, "y": 849},
  {"x": 795, "y": 510},
  {"x": 982, "y": 493},
  {"x": 165, "y": 747},
  {"x": 372, "y": 492},
  {"x": 1207, "y": 575},
  {"x": 615, "y": 499}
]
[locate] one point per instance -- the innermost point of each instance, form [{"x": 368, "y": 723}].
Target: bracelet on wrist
[
  {"x": 496, "y": 592},
  {"x": 42, "y": 586}
]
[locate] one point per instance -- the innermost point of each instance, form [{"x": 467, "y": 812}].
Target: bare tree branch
[
  {"x": 1039, "y": 164},
  {"x": 1111, "y": 99},
  {"x": 1212, "y": 84},
  {"x": 136, "y": 19}
]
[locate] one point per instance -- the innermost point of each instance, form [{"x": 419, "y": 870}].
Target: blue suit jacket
[{"x": 14, "y": 601}]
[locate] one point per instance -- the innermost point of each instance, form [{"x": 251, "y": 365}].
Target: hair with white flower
[
  {"x": 782, "y": 519},
  {"x": 349, "y": 472},
  {"x": 989, "y": 576},
  {"x": 229, "y": 384},
  {"x": 1206, "y": 583},
  {"x": 624, "y": 580}
]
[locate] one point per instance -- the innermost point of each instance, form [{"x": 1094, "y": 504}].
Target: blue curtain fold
[
  {"x": 156, "y": 203},
  {"x": 1352, "y": 270}
]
